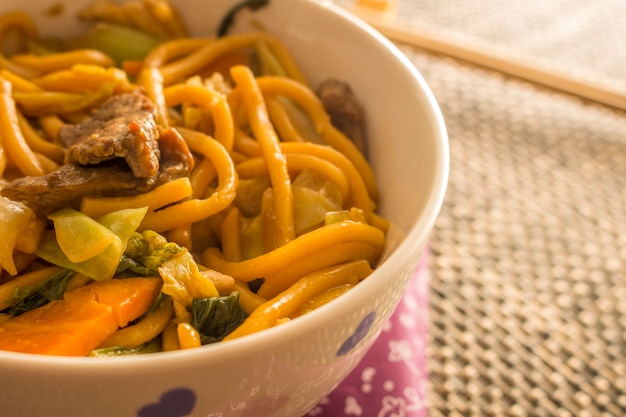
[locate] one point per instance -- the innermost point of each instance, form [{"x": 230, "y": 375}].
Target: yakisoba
[{"x": 263, "y": 214}]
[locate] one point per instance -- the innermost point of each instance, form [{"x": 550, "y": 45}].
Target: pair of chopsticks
[{"x": 599, "y": 93}]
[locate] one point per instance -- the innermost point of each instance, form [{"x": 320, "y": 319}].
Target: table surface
[{"x": 528, "y": 257}]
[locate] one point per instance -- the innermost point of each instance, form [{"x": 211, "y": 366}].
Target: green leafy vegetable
[
  {"x": 130, "y": 268},
  {"x": 184, "y": 282},
  {"x": 214, "y": 318},
  {"x": 101, "y": 264},
  {"x": 146, "y": 252},
  {"x": 149, "y": 347},
  {"x": 270, "y": 64},
  {"x": 119, "y": 42},
  {"x": 31, "y": 297}
]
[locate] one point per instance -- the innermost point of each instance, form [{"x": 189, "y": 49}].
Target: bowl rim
[{"x": 412, "y": 245}]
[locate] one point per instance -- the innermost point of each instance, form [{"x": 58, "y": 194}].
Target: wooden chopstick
[{"x": 599, "y": 93}]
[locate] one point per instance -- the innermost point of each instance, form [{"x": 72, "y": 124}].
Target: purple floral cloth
[{"x": 391, "y": 380}]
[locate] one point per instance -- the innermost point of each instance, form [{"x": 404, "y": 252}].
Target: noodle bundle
[{"x": 254, "y": 209}]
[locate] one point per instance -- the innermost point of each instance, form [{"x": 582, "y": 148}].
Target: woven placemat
[
  {"x": 528, "y": 291},
  {"x": 528, "y": 287},
  {"x": 572, "y": 37}
]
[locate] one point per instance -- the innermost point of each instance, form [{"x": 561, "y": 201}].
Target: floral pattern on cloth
[{"x": 391, "y": 380}]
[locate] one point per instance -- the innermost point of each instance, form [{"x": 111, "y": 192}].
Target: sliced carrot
[
  {"x": 68, "y": 328},
  {"x": 129, "y": 298},
  {"x": 81, "y": 321}
]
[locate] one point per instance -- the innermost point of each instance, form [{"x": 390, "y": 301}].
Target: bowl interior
[
  {"x": 407, "y": 138},
  {"x": 408, "y": 150}
]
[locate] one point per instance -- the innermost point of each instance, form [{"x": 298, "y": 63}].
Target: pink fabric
[{"x": 391, "y": 380}]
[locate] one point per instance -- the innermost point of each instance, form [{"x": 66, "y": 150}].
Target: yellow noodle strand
[
  {"x": 145, "y": 330},
  {"x": 291, "y": 300},
  {"x": 169, "y": 338},
  {"x": 269, "y": 222},
  {"x": 359, "y": 196},
  {"x": 280, "y": 118},
  {"x": 245, "y": 144},
  {"x": 12, "y": 137},
  {"x": 19, "y": 83},
  {"x": 38, "y": 143},
  {"x": 182, "y": 236},
  {"x": 337, "y": 254},
  {"x": 4, "y": 161},
  {"x": 47, "y": 164},
  {"x": 201, "y": 177},
  {"x": 151, "y": 80},
  {"x": 213, "y": 101},
  {"x": 82, "y": 77},
  {"x": 231, "y": 236},
  {"x": 173, "y": 49},
  {"x": 59, "y": 102},
  {"x": 309, "y": 102},
  {"x": 297, "y": 251},
  {"x": 300, "y": 94},
  {"x": 296, "y": 163},
  {"x": 191, "y": 211},
  {"x": 268, "y": 140},
  {"x": 64, "y": 60},
  {"x": 32, "y": 278},
  {"x": 188, "y": 337},
  {"x": 51, "y": 124},
  {"x": 161, "y": 196},
  {"x": 322, "y": 299},
  {"x": 248, "y": 300},
  {"x": 202, "y": 57}
]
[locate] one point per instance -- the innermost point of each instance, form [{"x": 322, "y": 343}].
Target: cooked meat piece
[
  {"x": 346, "y": 113},
  {"x": 67, "y": 185},
  {"x": 176, "y": 158},
  {"x": 124, "y": 127}
]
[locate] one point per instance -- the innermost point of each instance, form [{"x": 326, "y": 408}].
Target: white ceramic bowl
[{"x": 286, "y": 370}]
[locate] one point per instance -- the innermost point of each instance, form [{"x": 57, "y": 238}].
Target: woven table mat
[
  {"x": 572, "y": 37},
  {"x": 528, "y": 287}
]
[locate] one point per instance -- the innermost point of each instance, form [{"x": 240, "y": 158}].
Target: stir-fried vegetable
[
  {"x": 119, "y": 42},
  {"x": 97, "y": 261},
  {"x": 138, "y": 110},
  {"x": 216, "y": 317},
  {"x": 30, "y": 297},
  {"x": 14, "y": 221},
  {"x": 82, "y": 319}
]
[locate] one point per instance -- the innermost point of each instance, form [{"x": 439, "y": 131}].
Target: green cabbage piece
[
  {"x": 119, "y": 42},
  {"x": 103, "y": 265}
]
